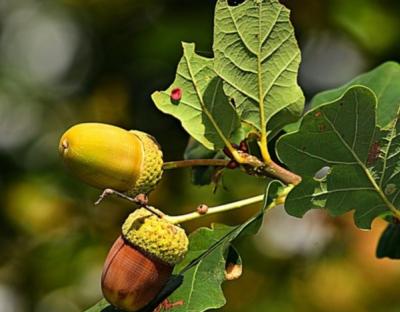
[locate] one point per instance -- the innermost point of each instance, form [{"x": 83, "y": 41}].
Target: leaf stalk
[{"x": 264, "y": 149}]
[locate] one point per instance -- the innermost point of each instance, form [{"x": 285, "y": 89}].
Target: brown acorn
[{"x": 141, "y": 260}]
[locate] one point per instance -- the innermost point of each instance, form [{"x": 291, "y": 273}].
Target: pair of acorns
[{"x": 141, "y": 260}]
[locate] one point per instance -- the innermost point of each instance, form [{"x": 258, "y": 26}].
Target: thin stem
[
  {"x": 236, "y": 155},
  {"x": 217, "y": 209},
  {"x": 140, "y": 200},
  {"x": 273, "y": 170},
  {"x": 279, "y": 200},
  {"x": 263, "y": 144},
  {"x": 194, "y": 163}
]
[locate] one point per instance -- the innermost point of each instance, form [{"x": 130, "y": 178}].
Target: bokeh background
[{"x": 69, "y": 61}]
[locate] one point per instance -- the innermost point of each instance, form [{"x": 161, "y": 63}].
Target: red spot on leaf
[{"x": 176, "y": 94}]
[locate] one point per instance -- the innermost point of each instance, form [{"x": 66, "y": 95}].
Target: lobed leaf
[
  {"x": 203, "y": 109},
  {"x": 384, "y": 80},
  {"x": 363, "y": 159}
]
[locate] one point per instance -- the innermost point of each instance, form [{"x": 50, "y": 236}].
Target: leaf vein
[
  {"x": 273, "y": 23},
  {"x": 335, "y": 191},
  {"x": 333, "y": 162},
  {"x": 278, "y": 75},
  {"x": 275, "y": 49},
  {"x": 239, "y": 33}
]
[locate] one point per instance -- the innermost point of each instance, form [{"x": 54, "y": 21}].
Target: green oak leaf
[
  {"x": 204, "y": 110},
  {"x": 201, "y": 289},
  {"x": 384, "y": 80},
  {"x": 363, "y": 159},
  {"x": 257, "y": 56}
]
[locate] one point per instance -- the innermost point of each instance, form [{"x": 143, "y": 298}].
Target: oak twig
[{"x": 140, "y": 200}]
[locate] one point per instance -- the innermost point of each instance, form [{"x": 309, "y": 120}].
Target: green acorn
[{"x": 106, "y": 156}]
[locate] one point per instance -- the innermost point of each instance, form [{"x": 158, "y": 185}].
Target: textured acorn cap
[
  {"x": 151, "y": 170},
  {"x": 155, "y": 236}
]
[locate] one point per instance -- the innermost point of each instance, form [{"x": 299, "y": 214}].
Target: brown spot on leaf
[
  {"x": 322, "y": 127},
  {"x": 373, "y": 153}
]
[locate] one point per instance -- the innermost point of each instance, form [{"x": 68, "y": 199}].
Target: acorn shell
[
  {"x": 131, "y": 278},
  {"x": 105, "y": 156}
]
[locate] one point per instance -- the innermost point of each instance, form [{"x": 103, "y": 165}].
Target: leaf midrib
[
  {"x": 259, "y": 76},
  {"x": 201, "y": 101},
  {"x": 193, "y": 282},
  {"x": 191, "y": 291},
  {"x": 388, "y": 204},
  {"x": 261, "y": 92}
]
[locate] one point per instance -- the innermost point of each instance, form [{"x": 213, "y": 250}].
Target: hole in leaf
[
  {"x": 322, "y": 173},
  {"x": 235, "y": 2}
]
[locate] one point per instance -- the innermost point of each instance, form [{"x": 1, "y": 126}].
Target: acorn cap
[
  {"x": 155, "y": 236},
  {"x": 151, "y": 170}
]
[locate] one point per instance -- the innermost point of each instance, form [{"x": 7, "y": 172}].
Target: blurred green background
[{"x": 69, "y": 61}]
